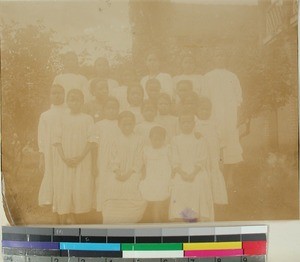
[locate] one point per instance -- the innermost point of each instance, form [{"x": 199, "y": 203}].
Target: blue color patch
[{"x": 90, "y": 246}]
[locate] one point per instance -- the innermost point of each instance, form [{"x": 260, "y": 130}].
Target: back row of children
[{"x": 128, "y": 149}]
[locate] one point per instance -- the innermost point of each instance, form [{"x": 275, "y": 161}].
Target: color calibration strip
[{"x": 203, "y": 244}]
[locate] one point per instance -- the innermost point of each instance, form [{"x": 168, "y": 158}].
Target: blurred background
[{"x": 258, "y": 39}]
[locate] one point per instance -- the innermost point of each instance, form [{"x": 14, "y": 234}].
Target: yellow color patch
[{"x": 212, "y": 245}]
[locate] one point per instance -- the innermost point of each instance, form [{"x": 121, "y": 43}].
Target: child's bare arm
[{"x": 61, "y": 153}]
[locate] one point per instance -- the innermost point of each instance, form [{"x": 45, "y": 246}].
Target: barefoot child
[
  {"x": 191, "y": 197},
  {"x": 73, "y": 178},
  {"x": 155, "y": 188},
  {"x": 48, "y": 123},
  {"x": 122, "y": 200}
]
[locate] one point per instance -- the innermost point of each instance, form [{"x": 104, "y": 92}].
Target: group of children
[{"x": 141, "y": 148}]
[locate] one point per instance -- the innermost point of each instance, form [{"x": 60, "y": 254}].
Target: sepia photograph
[{"x": 135, "y": 111}]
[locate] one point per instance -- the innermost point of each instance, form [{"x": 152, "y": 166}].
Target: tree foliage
[{"x": 29, "y": 62}]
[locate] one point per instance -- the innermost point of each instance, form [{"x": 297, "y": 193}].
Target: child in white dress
[
  {"x": 164, "y": 117},
  {"x": 104, "y": 134},
  {"x": 70, "y": 78},
  {"x": 149, "y": 112},
  {"x": 48, "y": 123},
  {"x": 155, "y": 188},
  {"x": 135, "y": 97},
  {"x": 94, "y": 108},
  {"x": 206, "y": 129},
  {"x": 188, "y": 66},
  {"x": 166, "y": 82},
  {"x": 73, "y": 178},
  {"x": 183, "y": 89},
  {"x": 191, "y": 196},
  {"x": 122, "y": 200}
]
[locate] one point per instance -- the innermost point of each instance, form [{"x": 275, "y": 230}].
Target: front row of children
[{"x": 122, "y": 168}]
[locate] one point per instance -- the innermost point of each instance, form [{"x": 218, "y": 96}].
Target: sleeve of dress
[
  {"x": 41, "y": 134},
  {"x": 202, "y": 153},
  {"x": 237, "y": 90},
  {"x": 174, "y": 154},
  {"x": 138, "y": 161}
]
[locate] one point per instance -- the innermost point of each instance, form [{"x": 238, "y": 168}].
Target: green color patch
[{"x": 152, "y": 246}]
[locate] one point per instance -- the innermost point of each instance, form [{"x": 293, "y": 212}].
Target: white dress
[
  {"x": 223, "y": 88},
  {"x": 48, "y": 123},
  {"x": 73, "y": 81},
  {"x": 190, "y": 200},
  {"x": 104, "y": 134},
  {"x": 194, "y": 78},
  {"x": 166, "y": 84},
  {"x": 208, "y": 131},
  {"x": 73, "y": 187},
  {"x": 122, "y": 200},
  {"x": 156, "y": 185}
]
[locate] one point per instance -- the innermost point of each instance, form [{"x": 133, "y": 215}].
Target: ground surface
[{"x": 261, "y": 192}]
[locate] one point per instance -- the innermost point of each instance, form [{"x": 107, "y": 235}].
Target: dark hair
[
  {"x": 135, "y": 86},
  {"x": 158, "y": 130},
  {"x": 165, "y": 97},
  {"x": 147, "y": 102},
  {"x": 204, "y": 100},
  {"x": 152, "y": 81},
  {"x": 125, "y": 114},
  {"x": 111, "y": 99},
  {"x": 193, "y": 95},
  {"x": 76, "y": 92},
  {"x": 94, "y": 83},
  {"x": 188, "y": 82},
  {"x": 57, "y": 86}
]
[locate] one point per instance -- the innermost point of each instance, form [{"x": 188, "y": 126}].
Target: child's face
[
  {"x": 149, "y": 113},
  {"x": 153, "y": 91},
  {"x": 187, "y": 124},
  {"x": 183, "y": 89},
  {"x": 101, "y": 67},
  {"x": 75, "y": 103},
  {"x": 188, "y": 65},
  {"x": 111, "y": 110},
  {"x": 57, "y": 96},
  {"x": 127, "y": 125},
  {"x": 135, "y": 97},
  {"x": 101, "y": 91},
  {"x": 190, "y": 104},
  {"x": 157, "y": 140},
  {"x": 163, "y": 106},
  {"x": 152, "y": 63},
  {"x": 204, "y": 111}
]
